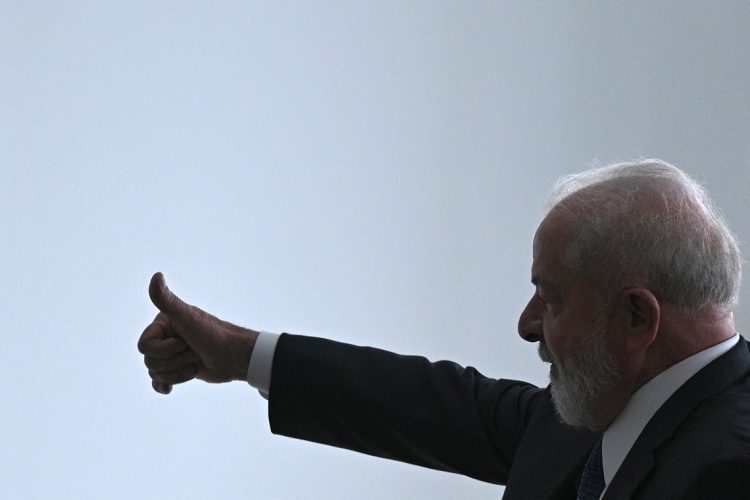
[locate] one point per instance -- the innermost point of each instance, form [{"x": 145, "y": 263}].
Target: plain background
[{"x": 366, "y": 171}]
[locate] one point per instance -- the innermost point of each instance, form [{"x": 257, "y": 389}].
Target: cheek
[
  {"x": 556, "y": 331},
  {"x": 564, "y": 337}
]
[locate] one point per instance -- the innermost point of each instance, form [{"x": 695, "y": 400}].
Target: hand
[{"x": 184, "y": 342}]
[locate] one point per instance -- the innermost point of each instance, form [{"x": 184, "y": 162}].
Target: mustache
[{"x": 545, "y": 353}]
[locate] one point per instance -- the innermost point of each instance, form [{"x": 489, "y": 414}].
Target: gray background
[{"x": 366, "y": 171}]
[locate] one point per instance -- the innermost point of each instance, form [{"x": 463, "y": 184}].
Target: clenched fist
[{"x": 184, "y": 342}]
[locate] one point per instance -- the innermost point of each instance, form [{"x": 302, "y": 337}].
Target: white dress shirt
[{"x": 261, "y": 361}]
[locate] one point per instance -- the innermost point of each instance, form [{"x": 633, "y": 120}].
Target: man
[{"x": 636, "y": 277}]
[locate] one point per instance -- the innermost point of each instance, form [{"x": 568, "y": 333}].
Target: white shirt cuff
[{"x": 261, "y": 362}]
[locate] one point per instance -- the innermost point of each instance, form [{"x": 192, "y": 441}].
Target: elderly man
[{"x": 636, "y": 276}]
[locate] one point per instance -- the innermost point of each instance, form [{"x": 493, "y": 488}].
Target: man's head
[{"x": 625, "y": 254}]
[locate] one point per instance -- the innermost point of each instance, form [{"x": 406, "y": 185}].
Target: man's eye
[{"x": 547, "y": 303}]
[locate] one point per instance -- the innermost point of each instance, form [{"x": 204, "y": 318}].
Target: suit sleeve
[{"x": 438, "y": 415}]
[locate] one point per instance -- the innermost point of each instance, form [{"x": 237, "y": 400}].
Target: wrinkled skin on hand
[{"x": 184, "y": 342}]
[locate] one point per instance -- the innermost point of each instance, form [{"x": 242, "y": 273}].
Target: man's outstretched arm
[{"x": 437, "y": 415}]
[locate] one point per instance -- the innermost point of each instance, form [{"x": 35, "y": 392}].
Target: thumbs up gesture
[{"x": 184, "y": 342}]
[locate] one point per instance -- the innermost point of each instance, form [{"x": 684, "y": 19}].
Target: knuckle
[
  {"x": 173, "y": 345},
  {"x": 162, "y": 377},
  {"x": 159, "y": 365},
  {"x": 142, "y": 344}
]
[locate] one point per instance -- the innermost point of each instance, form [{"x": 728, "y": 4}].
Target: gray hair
[{"x": 648, "y": 223}]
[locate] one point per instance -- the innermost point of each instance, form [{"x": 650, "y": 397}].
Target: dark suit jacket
[{"x": 450, "y": 418}]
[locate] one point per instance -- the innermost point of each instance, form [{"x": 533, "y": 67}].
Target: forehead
[
  {"x": 550, "y": 242},
  {"x": 552, "y": 235}
]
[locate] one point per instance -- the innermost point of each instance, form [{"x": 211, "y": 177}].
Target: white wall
[{"x": 366, "y": 171}]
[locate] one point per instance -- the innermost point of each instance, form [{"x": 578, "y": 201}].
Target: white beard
[{"x": 578, "y": 383}]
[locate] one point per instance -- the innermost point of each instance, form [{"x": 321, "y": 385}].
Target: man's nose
[{"x": 530, "y": 322}]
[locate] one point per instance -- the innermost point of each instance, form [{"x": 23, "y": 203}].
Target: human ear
[{"x": 643, "y": 318}]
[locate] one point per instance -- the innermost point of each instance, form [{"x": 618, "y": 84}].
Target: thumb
[{"x": 164, "y": 299}]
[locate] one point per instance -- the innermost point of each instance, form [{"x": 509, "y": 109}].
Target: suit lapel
[{"x": 714, "y": 378}]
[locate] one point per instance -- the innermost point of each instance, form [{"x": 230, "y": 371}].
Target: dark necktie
[{"x": 592, "y": 482}]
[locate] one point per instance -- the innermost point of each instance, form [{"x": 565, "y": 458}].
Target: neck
[{"x": 681, "y": 336}]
